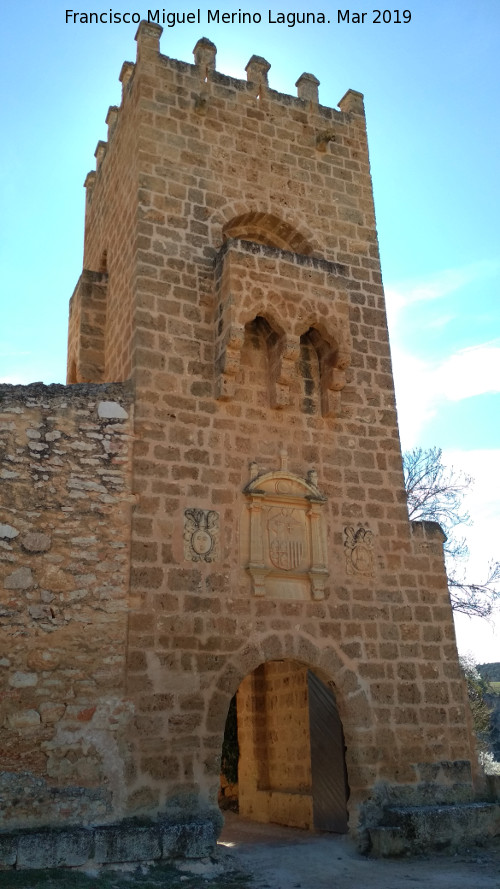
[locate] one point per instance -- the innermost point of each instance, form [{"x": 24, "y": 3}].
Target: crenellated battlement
[
  {"x": 214, "y": 156},
  {"x": 213, "y": 84}
]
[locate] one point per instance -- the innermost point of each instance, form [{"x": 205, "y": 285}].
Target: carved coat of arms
[
  {"x": 286, "y": 539},
  {"x": 283, "y": 534},
  {"x": 201, "y": 535},
  {"x": 359, "y": 551}
]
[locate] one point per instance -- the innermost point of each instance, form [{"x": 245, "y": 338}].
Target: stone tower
[{"x": 232, "y": 274}]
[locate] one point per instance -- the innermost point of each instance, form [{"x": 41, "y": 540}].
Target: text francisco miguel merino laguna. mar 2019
[{"x": 170, "y": 18}]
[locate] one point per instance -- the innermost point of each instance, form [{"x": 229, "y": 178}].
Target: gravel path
[{"x": 283, "y": 858}]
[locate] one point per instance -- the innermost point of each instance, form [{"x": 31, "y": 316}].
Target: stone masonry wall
[
  {"x": 273, "y": 354},
  {"x": 64, "y": 570},
  {"x": 241, "y": 292},
  {"x": 113, "y": 252},
  {"x": 193, "y": 157}
]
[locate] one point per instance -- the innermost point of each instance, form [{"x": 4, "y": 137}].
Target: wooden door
[{"x": 329, "y": 777}]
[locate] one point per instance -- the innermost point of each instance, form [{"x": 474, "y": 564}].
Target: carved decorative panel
[
  {"x": 358, "y": 548},
  {"x": 283, "y": 536},
  {"x": 201, "y": 535}
]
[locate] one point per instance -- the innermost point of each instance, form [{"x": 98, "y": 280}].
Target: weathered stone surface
[
  {"x": 40, "y": 612},
  {"x": 74, "y": 848},
  {"x": 493, "y": 788},
  {"x": 113, "y": 844},
  {"x": 8, "y": 532},
  {"x": 386, "y": 842},
  {"x": 23, "y": 680},
  {"x": 36, "y": 850},
  {"x": 412, "y": 830},
  {"x": 111, "y": 410},
  {"x": 193, "y": 839},
  {"x": 43, "y": 659},
  {"x": 51, "y": 712},
  {"x": 27, "y": 799},
  {"x": 67, "y": 571},
  {"x": 23, "y": 719},
  {"x": 8, "y": 850},
  {"x": 71, "y": 848},
  {"x": 36, "y": 542},
  {"x": 20, "y": 579}
]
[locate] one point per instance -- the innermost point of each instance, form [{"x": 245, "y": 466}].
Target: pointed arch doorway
[{"x": 291, "y": 765}]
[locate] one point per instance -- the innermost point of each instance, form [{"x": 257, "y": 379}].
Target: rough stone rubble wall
[{"x": 64, "y": 570}]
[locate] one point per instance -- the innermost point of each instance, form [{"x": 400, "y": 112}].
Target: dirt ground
[
  {"x": 283, "y": 858},
  {"x": 255, "y": 856}
]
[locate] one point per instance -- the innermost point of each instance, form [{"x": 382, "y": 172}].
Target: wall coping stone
[{"x": 123, "y": 392}]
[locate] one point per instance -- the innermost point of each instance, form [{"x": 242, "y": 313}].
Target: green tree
[{"x": 435, "y": 492}]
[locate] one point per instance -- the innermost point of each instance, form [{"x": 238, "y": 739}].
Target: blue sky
[{"x": 432, "y": 96}]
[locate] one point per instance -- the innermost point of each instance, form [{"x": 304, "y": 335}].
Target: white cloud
[
  {"x": 16, "y": 380},
  {"x": 401, "y": 294},
  {"x": 478, "y": 637},
  {"x": 441, "y": 321},
  {"x": 483, "y": 498},
  {"x": 434, "y": 286},
  {"x": 423, "y": 387},
  {"x": 415, "y": 394},
  {"x": 469, "y": 372}
]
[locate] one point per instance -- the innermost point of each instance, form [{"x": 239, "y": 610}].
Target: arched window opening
[
  {"x": 318, "y": 358},
  {"x": 309, "y": 366},
  {"x": 259, "y": 356}
]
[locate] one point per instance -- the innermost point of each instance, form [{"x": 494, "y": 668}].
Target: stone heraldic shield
[{"x": 286, "y": 539}]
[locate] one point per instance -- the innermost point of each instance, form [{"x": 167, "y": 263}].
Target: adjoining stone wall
[{"x": 64, "y": 572}]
